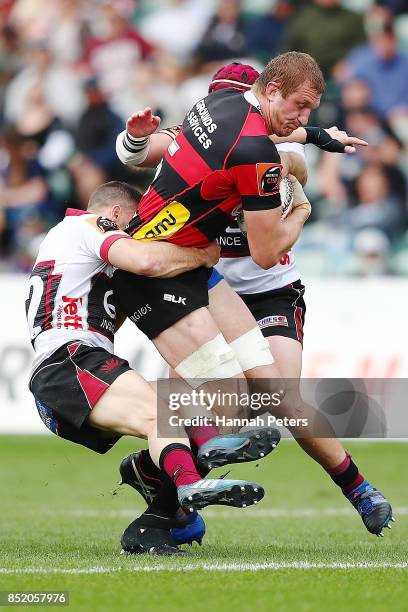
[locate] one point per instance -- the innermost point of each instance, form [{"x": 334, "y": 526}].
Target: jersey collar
[
  {"x": 252, "y": 99},
  {"x": 75, "y": 212}
]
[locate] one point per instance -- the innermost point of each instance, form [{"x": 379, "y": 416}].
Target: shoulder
[
  {"x": 226, "y": 104},
  {"x": 252, "y": 150}
]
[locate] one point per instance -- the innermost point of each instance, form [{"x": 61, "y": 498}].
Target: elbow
[
  {"x": 266, "y": 260},
  {"x": 146, "y": 266}
]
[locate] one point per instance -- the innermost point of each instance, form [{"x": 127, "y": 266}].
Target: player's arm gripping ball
[{"x": 300, "y": 200}]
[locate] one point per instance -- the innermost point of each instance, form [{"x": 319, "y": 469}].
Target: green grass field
[{"x": 302, "y": 548}]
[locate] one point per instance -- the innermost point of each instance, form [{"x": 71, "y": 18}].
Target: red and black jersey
[{"x": 222, "y": 160}]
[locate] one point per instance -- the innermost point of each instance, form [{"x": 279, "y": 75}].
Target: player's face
[{"x": 287, "y": 114}]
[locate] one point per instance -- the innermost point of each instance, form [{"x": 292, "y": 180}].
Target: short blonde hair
[{"x": 291, "y": 70}]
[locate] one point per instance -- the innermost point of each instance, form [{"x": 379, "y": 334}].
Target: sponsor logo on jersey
[
  {"x": 168, "y": 297},
  {"x": 173, "y": 148},
  {"x": 140, "y": 312},
  {"x": 102, "y": 224},
  {"x": 166, "y": 223},
  {"x": 268, "y": 178},
  {"x": 272, "y": 321},
  {"x": 106, "y": 225},
  {"x": 108, "y": 325},
  {"x": 67, "y": 313},
  {"x": 109, "y": 365},
  {"x": 229, "y": 241},
  {"x": 236, "y": 210}
]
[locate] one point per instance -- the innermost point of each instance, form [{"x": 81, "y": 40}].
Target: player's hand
[
  {"x": 345, "y": 139},
  {"x": 332, "y": 140},
  {"x": 210, "y": 255},
  {"x": 299, "y": 200},
  {"x": 306, "y": 206},
  {"x": 143, "y": 123}
]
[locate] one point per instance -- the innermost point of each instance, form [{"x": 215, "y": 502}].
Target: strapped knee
[
  {"x": 215, "y": 360},
  {"x": 252, "y": 350}
]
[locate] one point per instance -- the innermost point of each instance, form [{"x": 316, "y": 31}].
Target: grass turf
[{"x": 62, "y": 513}]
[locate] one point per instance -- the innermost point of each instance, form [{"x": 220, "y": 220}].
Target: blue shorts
[{"x": 214, "y": 279}]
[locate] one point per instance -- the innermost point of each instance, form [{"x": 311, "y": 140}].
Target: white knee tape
[
  {"x": 214, "y": 360},
  {"x": 252, "y": 350}
]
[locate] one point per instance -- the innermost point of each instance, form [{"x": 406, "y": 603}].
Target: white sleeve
[
  {"x": 132, "y": 151},
  {"x": 292, "y": 147},
  {"x": 97, "y": 241}
]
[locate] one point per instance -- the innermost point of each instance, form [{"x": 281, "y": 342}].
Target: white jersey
[
  {"x": 70, "y": 295},
  {"x": 238, "y": 267}
]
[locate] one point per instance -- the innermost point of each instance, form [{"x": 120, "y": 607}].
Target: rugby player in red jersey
[{"x": 200, "y": 171}]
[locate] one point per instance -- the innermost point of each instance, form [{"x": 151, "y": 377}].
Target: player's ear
[
  {"x": 115, "y": 212},
  {"x": 272, "y": 88}
]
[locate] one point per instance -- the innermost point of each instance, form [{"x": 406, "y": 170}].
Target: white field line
[
  {"x": 227, "y": 514},
  {"x": 209, "y": 567}
]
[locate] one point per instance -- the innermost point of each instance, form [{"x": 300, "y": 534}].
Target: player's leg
[
  {"x": 128, "y": 407},
  {"x": 287, "y": 352},
  {"x": 184, "y": 333},
  {"x": 181, "y": 326},
  {"x": 286, "y": 345},
  {"x": 325, "y": 449}
]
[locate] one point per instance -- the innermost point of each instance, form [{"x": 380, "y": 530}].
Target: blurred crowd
[{"x": 71, "y": 71}]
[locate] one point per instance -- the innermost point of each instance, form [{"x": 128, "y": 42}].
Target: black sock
[
  {"x": 166, "y": 502},
  {"x": 148, "y": 466},
  {"x": 346, "y": 475}
]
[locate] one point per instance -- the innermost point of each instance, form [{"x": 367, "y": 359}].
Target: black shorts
[
  {"x": 280, "y": 312},
  {"x": 66, "y": 387},
  {"x": 155, "y": 304}
]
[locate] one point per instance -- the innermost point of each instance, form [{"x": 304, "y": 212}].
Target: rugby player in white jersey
[
  {"x": 83, "y": 391},
  {"x": 274, "y": 295}
]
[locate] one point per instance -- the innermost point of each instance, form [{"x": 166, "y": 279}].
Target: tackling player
[
  {"x": 284, "y": 290},
  {"x": 83, "y": 391}
]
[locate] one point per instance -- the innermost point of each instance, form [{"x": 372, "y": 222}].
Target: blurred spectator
[
  {"x": 113, "y": 57},
  {"x": 398, "y": 7},
  {"x": 60, "y": 85},
  {"x": 5, "y": 8},
  {"x": 32, "y": 18},
  {"x": 327, "y": 31},
  {"x": 379, "y": 64},
  {"x": 376, "y": 207},
  {"x": 66, "y": 34},
  {"x": 156, "y": 85},
  {"x": 371, "y": 253},
  {"x": 10, "y": 59},
  {"x": 82, "y": 69},
  {"x": 225, "y": 37},
  {"x": 47, "y": 140},
  {"x": 266, "y": 31},
  {"x": 25, "y": 194},
  {"x": 178, "y": 26},
  {"x": 97, "y": 130},
  {"x": 337, "y": 174}
]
